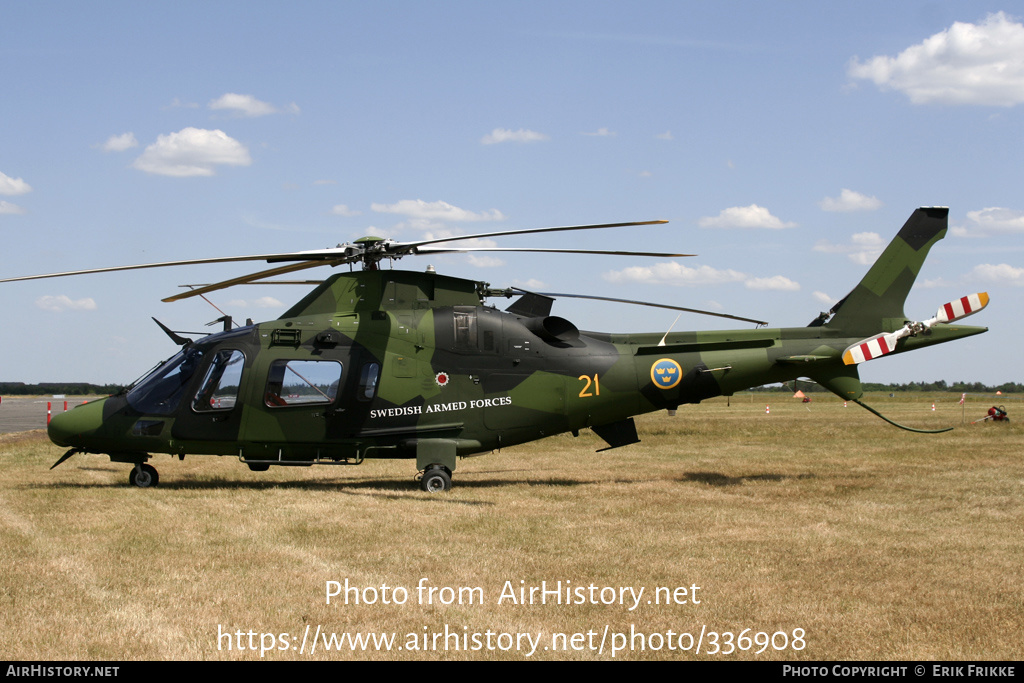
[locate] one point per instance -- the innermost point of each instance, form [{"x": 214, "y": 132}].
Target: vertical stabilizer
[{"x": 876, "y": 303}]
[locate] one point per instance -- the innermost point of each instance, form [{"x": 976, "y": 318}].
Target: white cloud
[
  {"x": 506, "y": 135},
  {"x": 419, "y": 209},
  {"x": 775, "y": 283},
  {"x": 242, "y": 105},
  {"x": 176, "y": 103},
  {"x": 484, "y": 261},
  {"x": 119, "y": 143},
  {"x": 262, "y": 302},
  {"x": 990, "y": 222},
  {"x": 848, "y": 200},
  {"x": 823, "y": 298},
  {"x": 864, "y": 258},
  {"x": 676, "y": 274},
  {"x": 864, "y": 247},
  {"x": 857, "y": 241},
  {"x": 869, "y": 240},
  {"x": 1003, "y": 274},
  {"x": 979, "y": 64},
  {"x": 13, "y": 186},
  {"x": 667, "y": 135},
  {"x": 752, "y": 216},
  {"x": 10, "y": 209},
  {"x": 59, "y": 304},
  {"x": 532, "y": 284},
  {"x": 192, "y": 152},
  {"x": 600, "y": 133},
  {"x": 934, "y": 283},
  {"x": 343, "y": 210}
]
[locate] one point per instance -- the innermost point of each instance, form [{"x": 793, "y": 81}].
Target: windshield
[{"x": 160, "y": 393}]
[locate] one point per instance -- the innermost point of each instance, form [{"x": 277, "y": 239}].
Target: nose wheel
[{"x": 143, "y": 476}]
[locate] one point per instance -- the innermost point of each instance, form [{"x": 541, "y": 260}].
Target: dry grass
[{"x": 878, "y": 543}]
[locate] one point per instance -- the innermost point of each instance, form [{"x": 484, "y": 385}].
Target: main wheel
[
  {"x": 436, "y": 480},
  {"x": 143, "y": 476}
]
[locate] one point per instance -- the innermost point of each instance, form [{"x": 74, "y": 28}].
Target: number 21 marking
[{"x": 585, "y": 392}]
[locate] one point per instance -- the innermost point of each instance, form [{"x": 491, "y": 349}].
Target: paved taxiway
[{"x": 21, "y": 413}]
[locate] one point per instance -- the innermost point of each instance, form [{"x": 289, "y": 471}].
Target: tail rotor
[{"x": 885, "y": 342}]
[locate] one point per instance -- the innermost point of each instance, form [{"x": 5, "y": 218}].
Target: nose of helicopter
[{"x": 72, "y": 427}]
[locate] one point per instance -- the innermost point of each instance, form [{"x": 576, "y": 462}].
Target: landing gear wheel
[
  {"x": 436, "y": 480},
  {"x": 143, "y": 476}
]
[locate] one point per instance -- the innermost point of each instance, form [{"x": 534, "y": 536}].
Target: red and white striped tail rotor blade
[
  {"x": 962, "y": 307},
  {"x": 885, "y": 342},
  {"x": 872, "y": 347}
]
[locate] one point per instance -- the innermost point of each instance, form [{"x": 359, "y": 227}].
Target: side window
[
  {"x": 368, "y": 382},
  {"x": 219, "y": 389},
  {"x": 302, "y": 382}
]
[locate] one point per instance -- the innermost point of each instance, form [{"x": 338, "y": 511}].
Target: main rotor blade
[
  {"x": 350, "y": 253},
  {"x": 646, "y": 303},
  {"x": 529, "y": 231},
  {"x": 319, "y": 255},
  {"x": 245, "y": 279},
  {"x": 197, "y": 285},
  {"x": 463, "y": 250}
]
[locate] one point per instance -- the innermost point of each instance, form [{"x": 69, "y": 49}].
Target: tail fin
[{"x": 876, "y": 303}]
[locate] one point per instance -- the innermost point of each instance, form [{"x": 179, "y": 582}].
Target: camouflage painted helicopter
[{"x": 399, "y": 364}]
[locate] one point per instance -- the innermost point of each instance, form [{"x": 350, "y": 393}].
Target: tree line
[
  {"x": 939, "y": 385},
  {"x": 50, "y": 388}
]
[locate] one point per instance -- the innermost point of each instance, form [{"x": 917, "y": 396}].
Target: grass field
[{"x": 814, "y": 523}]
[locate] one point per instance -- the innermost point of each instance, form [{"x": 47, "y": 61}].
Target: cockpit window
[
  {"x": 161, "y": 392},
  {"x": 219, "y": 389},
  {"x": 302, "y": 382}
]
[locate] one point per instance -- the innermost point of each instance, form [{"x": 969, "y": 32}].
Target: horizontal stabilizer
[{"x": 804, "y": 358}]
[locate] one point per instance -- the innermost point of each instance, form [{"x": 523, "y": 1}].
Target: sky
[{"x": 785, "y": 143}]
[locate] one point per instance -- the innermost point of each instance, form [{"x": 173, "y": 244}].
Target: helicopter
[{"x": 388, "y": 363}]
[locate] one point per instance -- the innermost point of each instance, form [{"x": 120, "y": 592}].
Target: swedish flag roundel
[{"x": 666, "y": 373}]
